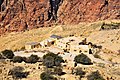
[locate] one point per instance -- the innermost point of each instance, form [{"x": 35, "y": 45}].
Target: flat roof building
[
  {"x": 32, "y": 45},
  {"x": 55, "y": 36}
]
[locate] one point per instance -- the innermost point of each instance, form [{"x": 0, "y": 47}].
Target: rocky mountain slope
[{"x": 19, "y": 15}]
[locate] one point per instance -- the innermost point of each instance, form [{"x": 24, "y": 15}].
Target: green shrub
[
  {"x": 58, "y": 70},
  {"x": 50, "y": 54},
  {"x": 95, "y": 76},
  {"x": 58, "y": 60},
  {"x": 46, "y": 76},
  {"x": 49, "y": 61},
  {"x": 97, "y": 56},
  {"x": 83, "y": 59},
  {"x": 8, "y": 54},
  {"x": 24, "y": 59},
  {"x": 79, "y": 71},
  {"x": 32, "y": 59},
  {"x": 101, "y": 65},
  {"x": 55, "y": 60},
  {"x": 18, "y": 59},
  {"x": 17, "y": 73}
]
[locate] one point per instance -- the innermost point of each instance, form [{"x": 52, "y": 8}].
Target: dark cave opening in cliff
[{"x": 54, "y": 6}]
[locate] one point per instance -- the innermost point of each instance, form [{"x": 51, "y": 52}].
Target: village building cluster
[{"x": 70, "y": 44}]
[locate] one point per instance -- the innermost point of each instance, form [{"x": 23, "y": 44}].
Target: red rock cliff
[{"x": 19, "y": 15}]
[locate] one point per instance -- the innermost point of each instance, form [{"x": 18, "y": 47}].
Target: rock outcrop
[
  {"x": 75, "y": 11},
  {"x": 20, "y": 15}
]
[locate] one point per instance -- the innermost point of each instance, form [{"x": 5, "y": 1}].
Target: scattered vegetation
[
  {"x": 58, "y": 70},
  {"x": 17, "y": 73},
  {"x": 18, "y": 59},
  {"x": 97, "y": 56},
  {"x": 101, "y": 65},
  {"x": 8, "y": 54},
  {"x": 95, "y": 76},
  {"x": 112, "y": 25},
  {"x": 51, "y": 59},
  {"x": 79, "y": 71},
  {"x": 31, "y": 59},
  {"x": 17, "y": 42},
  {"x": 110, "y": 59},
  {"x": 83, "y": 59},
  {"x": 46, "y": 76}
]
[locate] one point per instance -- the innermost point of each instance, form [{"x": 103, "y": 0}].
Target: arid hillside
[
  {"x": 17, "y": 40},
  {"x": 20, "y": 15}
]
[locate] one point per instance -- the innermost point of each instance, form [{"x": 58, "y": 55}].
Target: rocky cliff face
[
  {"x": 19, "y": 15},
  {"x": 75, "y": 11}
]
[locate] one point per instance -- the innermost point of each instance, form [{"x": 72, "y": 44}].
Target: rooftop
[
  {"x": 55, "y": 36},
  {"x": 32, "y": 43},
  {"x": 71, "y": 40}
]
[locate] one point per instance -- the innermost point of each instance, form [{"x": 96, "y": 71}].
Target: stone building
[
  {"x": 32, "y": 45},
  {"x": 74, "y": 45},
  {"x": 50, "y": 41}
]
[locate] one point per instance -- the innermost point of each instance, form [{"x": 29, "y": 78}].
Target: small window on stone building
[
  {"x": 80, "y": 51},
  {"x": 66, "y": 45},
  {"x": 75, "y": 50},
  {"x": 85, "y": 51},
  {"x": 90, "y": 51},
  {"x": 53, "y": 42}
]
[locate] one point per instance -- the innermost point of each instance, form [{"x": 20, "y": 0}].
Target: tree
[
  {"x": 58, "y": 60},
  {"x": 46, "y": 76},
  {"x": 55, "y": 59},
  {"x": 18, "y": 59},
  {"x": 49, "y": 61},
  {"x": 79, "y": 71},
  {"x": 17, "y": 73},
  {"x": 58, "y": 70},
  {"x": 8, "y": 54},
  {"x": 24, "y": 59},
  {"x": 50, "y": 54},
  {"x": 95, "y": 76},
  {"x": 83, "y": 59},
  {"x": 32, "y": 59}
]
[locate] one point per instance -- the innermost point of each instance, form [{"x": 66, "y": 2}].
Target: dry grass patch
[{"x": 16, "y": 41}]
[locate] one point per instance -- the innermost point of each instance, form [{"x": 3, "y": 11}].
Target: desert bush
[
  {"x": 83, "y": 59},
  {"x": 106, "y": 26},
  {"x": 17, "y": 73},
  {"x": 18, "y": 59},
  {"x": 95, "y": 76},
  {"x": 55, "y": 60},
  {"x": 101, "y": 65},
  {"x": 110, "y": 59},
  {"x": 58, "y": 70},
  {"x": 8, "y": 54},
  {"x": 32, "y": 59},
  {"x": 50, "y": 54},
  {"x": 79, "y": 71},
  {"x": 46, "y": 76},
  {"x": 49, "y": 61},
  {"x": 22, "y": 48},
  {"x": 97, "y": 56},
  {"x": 24, "y": 59},
  {"x": 58, "y": 60}
]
